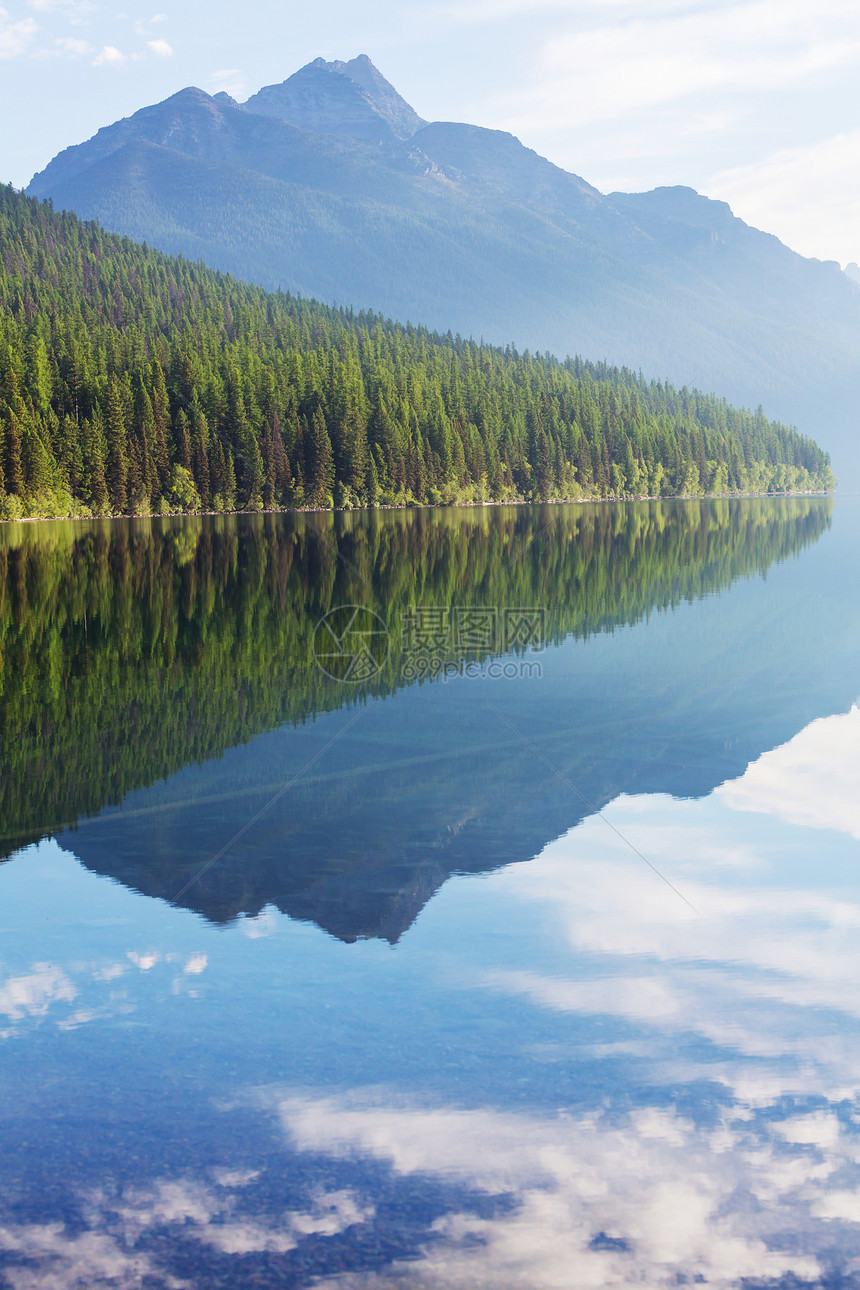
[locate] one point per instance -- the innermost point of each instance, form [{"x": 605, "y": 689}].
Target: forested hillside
[{"x": 131, "y": 382}]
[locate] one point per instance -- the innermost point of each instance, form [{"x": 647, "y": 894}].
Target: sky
[{"x": 754, "y": 102}]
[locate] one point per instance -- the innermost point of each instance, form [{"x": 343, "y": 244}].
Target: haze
[{"x": 752, "y": 102}]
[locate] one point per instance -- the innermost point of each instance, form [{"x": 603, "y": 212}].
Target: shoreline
[{"x": 418, "y": 506}]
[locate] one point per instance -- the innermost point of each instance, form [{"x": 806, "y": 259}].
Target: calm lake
[{"x": 432, "y": 899}]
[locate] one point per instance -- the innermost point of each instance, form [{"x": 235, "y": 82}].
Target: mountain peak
[{"x": 351, "y": 98}]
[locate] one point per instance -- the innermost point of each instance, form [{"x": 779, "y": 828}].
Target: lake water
[{"x": 432, "y": 899}]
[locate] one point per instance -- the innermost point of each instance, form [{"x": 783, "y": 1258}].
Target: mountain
[
  {"x": 330, "y": 185},
  {"x": 339, "y": 98}
]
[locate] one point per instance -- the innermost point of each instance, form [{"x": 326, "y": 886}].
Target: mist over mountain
[{"x": 332, "y": 186}]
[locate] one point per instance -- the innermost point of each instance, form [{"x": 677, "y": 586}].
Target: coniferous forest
[{"x": 133, "y": 383}]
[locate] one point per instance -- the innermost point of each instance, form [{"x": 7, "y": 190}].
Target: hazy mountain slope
[
  {"x": 192, "y": 124},
  {"x": 464, "y": 228}
]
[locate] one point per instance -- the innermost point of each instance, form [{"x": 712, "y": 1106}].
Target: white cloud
[
  {"x": 16, "y": 36},
  {"x": 210, "y": 1217},
  {"x": 264, "y": 924},
  {"x": 143, "y": 25},
  {"x": 235, "y": 1177},
  {"x": 61, "y": 6},
  {"x": 766, "y": 972},
  {"x": 167, "y": 1201},
  {"x": 822, "y": 1129},
  {"x": 32, "y": 995},
  {"x": 611, "y": 72},
  {"x": 493, "y": 10},
  {"x": 841, "y": 1205},
  {"x": 196, "y": 964},
  {"x": 229, "y": 79},
  {"x": 110, "y": 56},
  {"x": 145, "y": 962},
  {"x": 82, "y": 1017},
  {"x": 642, "y": 1199},
  {"x": 638, "y": 998},
  {"x": 53, "y": 1260},
  {"x": 248, "y": 1237},
  {"x": 812, "y": 780},
  {"x": 593, "y": 1200},
  {"x": 76, "y": 12},
  {"x": 798, "y": 193},
  {"x": 160, "y": 48},
  {"x": 73, "y": 47}
]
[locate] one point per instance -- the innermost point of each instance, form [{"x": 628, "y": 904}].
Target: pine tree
[
  {"x": 182, "y": 440},
  {"x": 35, "y": 460},
  {"x": 145, "y": 433},
  {"x": 134, "y": 475},
  {"x": 94, "y": 462},
  {"x": 161, "y": 416},
  {"x": 230, "y": 481},
  {"x": 116, "y": 438},
  {"x": 218, "y": 476},
  {"x": 253, "y": 475},
  {"x": 200, "y": 451},
  {"x": 320, "y": 460},
  {"x": 14, "y": 466},
  {"x": 268, "y": 454}
]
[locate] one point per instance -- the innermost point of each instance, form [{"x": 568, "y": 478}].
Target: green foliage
[
  {"x": 120, "y": 367},
  {"x": 182, "y": 494}
]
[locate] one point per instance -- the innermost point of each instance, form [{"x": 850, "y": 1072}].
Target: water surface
[{"x": 516, "y": 947}]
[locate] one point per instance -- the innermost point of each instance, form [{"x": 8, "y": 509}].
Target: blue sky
[{"x": 754, "y": 101}]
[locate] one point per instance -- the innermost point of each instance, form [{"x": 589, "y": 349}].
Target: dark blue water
[{"x": 540, "y": 976}]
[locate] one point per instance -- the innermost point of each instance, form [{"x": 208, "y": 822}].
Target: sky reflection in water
[{"x": 560, "y": 1075}]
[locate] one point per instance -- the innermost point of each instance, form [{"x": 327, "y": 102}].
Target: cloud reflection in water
[{"x": 734, "y": 1155}]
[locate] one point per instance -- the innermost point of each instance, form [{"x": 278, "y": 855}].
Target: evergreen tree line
[
  {"x": 131, "y": 649},
  {"x": 132, "y": 383}
]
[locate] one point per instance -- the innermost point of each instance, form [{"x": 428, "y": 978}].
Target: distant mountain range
[{"x": 332, "y": 186}]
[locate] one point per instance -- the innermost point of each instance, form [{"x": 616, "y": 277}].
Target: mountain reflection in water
[
  {"x": 564, "y": 1073},
  {"x": 147, "y": 647}
]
